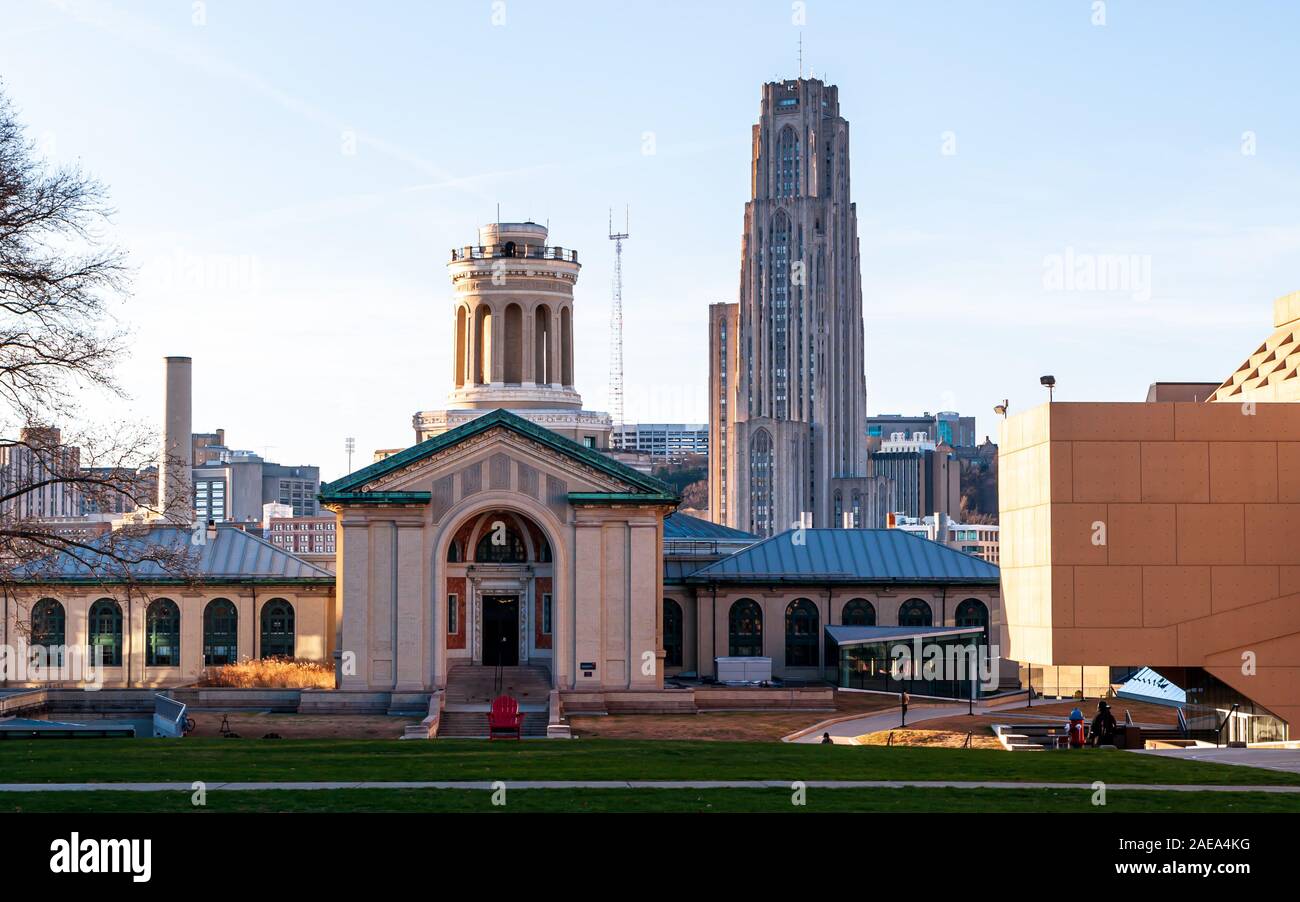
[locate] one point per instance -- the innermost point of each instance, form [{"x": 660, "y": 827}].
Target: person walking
[{"x": 904, "y": 700}]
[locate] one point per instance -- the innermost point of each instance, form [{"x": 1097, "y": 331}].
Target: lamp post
[{"x": 1049, "y": 383}]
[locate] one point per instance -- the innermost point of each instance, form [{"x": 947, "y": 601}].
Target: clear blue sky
[{"x": 310, "y": 284}]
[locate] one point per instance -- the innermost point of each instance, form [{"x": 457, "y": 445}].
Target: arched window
[
  {"x": 49, "y": 629},
  {"x": 973, "y": 612},
  {"x": 745, "y": 630},
  {"x": 915, "y": 612},
  {"x": 501, "y": 544},
  {"x": 481, "y": 365},
  {"x": 277, "y": 629},
  {"x": 162, "y": 634},
  {"x": 779, "y": 327},
  {"x": 514, "y": 345},
  {"x": 453, "y": 552},
  {"x": 462, "y": 327},
  {"x": 788, "y": 156},
  {"x": 566, "y": 346},
  {"x": 859, "y": 612},
  {"x": 105, "y": 632},
  {"x": 672, "y": 633},
  {"x": 220, "y": 633},
  {"x": 510, "y": 249},
  {"x": 543, "y": 366},
  {"x": 761, "y": 515},
  {"x": 801, "y": 634}
]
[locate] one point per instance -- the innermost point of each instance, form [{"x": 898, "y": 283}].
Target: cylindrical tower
[
  {"x": 175, "y": 492},
  {"x": 512, "y": 321}
]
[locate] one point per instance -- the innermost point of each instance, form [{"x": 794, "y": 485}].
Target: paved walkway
[
  {"x": 844, "y": 732},
  {"x": 1270, "y": 759},
  {"x": 632, "y": 784}
]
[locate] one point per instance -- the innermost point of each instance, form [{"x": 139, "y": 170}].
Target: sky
[{"x": 290, "y": 177}]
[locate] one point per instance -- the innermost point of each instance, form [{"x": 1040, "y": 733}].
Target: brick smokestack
[{"x": 175, "y": 489}]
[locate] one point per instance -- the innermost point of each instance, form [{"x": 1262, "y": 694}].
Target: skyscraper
[{"x": 787, "y": 379}]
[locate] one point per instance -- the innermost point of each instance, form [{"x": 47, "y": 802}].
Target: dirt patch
[
  {"x": 1143, "y": 712},
  {"x": 724, "y": 726},
  {"x": 947, "y": 739},
  {"x": 302, "y": 726}
]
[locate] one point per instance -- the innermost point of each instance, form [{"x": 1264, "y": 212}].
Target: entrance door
[{"x": 501, "y": 630}]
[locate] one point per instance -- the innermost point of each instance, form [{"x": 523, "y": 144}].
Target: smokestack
[{"x": 175, "y": 488}]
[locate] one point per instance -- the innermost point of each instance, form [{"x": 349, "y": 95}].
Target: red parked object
[{"x": 504, "y": 720}]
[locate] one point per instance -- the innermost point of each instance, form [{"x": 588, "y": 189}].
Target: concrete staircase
[
  {"x": 473, "y": 725},
  {"x": 469, "y": 694},
  {"x": 469, "y": 684}
]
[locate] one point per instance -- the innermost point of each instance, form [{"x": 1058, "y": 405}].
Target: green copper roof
[{"x": 351, "y": 485}]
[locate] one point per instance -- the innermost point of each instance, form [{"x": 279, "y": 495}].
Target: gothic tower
[{"x": 788, "y": 384}]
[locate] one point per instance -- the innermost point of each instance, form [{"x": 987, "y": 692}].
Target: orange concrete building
[{"x": 1163, "y": 534}]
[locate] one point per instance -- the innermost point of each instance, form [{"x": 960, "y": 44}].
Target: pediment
[{"x": 497, "y": 451}]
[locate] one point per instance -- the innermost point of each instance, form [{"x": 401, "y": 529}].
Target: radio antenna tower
[{"x": 616, "y": 323}]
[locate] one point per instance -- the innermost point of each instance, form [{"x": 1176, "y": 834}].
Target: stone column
[
  {"x": 354, "y": 584},
  {"x": 410, "y": 656},
  {"x": 586, "y": 589},
  {"x": 645, "y": 582}
]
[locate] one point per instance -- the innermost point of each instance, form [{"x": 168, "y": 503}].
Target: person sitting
[
  {"x": 1103, "y": 726},
  {"x": 826, "y": 739}
]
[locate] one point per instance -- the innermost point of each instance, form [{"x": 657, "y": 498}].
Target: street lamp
[
  {"x": 1001, "y": 409},
  {"x": 1048, "y": 382}
]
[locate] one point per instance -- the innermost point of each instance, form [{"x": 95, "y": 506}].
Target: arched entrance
[{"x": 500, "y": 591}]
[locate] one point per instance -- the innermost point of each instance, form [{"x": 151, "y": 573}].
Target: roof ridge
[{"x": 505, "y": 418}]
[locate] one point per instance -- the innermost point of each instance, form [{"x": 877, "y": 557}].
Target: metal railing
[{"x": 518, "y": 251}]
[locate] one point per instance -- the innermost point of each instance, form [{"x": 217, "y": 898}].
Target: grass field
[
  {"x": 220, "y": 760},
  {"x": 653, "y": 801}
]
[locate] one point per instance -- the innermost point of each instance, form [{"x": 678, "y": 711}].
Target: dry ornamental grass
[{"x": 270, "y": 673}]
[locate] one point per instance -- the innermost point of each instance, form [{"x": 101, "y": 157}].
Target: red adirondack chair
[{"x": 504, "y": 720}]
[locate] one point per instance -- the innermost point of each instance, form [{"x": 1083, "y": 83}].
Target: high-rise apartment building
[{"x": 787, "y": 377}]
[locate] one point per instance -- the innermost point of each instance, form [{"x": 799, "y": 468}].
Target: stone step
[{"x": 473, "y": 725}]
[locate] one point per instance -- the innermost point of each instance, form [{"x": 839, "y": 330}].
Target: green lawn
[
  {"x": 646, "y": 801},
  {"x": 218, "y": 760}
]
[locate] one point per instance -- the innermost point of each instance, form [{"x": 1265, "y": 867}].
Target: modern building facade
[
  {"x": 946, "y": 427},
  {"x": 787, "y": 364},
  {"x": 30, "y": 476},
  {"x": 925, "y": 477},
  {"x": 978, "y": 539},
  {"x": 1163, "y": 534},
  {"x": 670, "y": 441},
  {"x": 232, "y": 486}
]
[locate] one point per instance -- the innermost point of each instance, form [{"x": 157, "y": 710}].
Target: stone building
[
  {"x": 512, "y": 336},
  {"x": 787, "y": 379}
]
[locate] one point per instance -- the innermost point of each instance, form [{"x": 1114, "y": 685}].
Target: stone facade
[
  {"x": 490, "y": 519},
  {"x": 512, "y": 336},
  {"x": 788, "y": 360}
]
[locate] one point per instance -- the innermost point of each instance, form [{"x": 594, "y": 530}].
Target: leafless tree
[{"x": 60, "y": 282}]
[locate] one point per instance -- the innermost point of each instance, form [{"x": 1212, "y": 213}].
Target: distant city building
[
  {"x": 978, "y": 467},
  {"x": 947, "y": 427},
  {"x": 303, "y": 536},
  {"x": 979, "y": 539},
  {"x": 231, "y": 486},
  {"x": 121, "y": 489},
  {"x": 787, "y": 379},
  {"x": 29, "y": 469},
  {"x": 925, "y": 476},
  {"x": 671, "y": 440}
]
